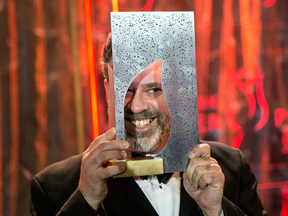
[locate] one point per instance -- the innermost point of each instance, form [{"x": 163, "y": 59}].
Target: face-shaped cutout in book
[{"x": 147, "y": 122}]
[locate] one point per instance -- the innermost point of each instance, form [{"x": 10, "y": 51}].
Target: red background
[{"x": 49, "y": 52}]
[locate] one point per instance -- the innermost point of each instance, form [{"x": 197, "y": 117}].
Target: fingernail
[
  {"x": 194, "y": 188},
  {"x": 112, "y": 131},
  {"x": 187, "y": 180},
  {"x": 124, "y": 154},
  {"x": 192, "y": 155},
  {"x": 125, "y": 144}
]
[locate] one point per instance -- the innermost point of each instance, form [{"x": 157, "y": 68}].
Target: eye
[
  {"x": 129, "y": 93},
  {"x": 154, "y": 90}
]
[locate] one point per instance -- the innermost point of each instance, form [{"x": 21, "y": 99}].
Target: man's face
[{"x": 147, "y": 121}]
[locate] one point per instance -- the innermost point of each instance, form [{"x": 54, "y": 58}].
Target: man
[
  {"x": 147, "y": 121},
  {"x": 82, "y": 185}
]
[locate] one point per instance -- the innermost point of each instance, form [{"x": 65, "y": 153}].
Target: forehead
[{"x": 149, "y": 75}]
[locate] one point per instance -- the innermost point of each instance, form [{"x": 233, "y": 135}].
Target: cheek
[
  {"x": 126, "y": 100},
  {"x": 159, "y": 104}
]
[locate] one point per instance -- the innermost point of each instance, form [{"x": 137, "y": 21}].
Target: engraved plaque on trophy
[{"x": 164, "y": 41}]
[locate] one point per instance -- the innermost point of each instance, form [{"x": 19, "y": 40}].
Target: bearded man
[{"x": 218, "y": 180}]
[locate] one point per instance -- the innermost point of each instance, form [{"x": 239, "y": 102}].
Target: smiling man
[
  {"x": 218, "y": 180},
  {"x": 147, "y": 122}
]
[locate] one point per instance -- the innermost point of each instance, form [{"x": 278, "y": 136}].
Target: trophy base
[{"x": 140, "y": 166}]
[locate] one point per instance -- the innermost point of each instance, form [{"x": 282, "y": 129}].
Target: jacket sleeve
[
  {"x": 248, "y": 200},
  {"x": 41, "y": 205},
  {"x": 75, "y": 205}
]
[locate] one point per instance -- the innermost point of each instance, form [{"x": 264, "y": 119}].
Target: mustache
[{"x": 146, "y": 114}]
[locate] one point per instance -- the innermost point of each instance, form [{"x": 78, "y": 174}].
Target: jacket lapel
[
  {"x": 126, "y": 198},
  {"x": 188, "y": 206}
]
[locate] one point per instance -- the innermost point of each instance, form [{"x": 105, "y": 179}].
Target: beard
[{"x": 148, "y": 141}]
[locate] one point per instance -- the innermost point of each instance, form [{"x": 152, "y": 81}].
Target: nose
[{"x": 137, "y": 103}]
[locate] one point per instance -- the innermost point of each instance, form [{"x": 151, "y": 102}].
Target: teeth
[{"x": 141, "y": 123}]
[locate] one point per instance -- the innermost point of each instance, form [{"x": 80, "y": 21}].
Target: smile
[{"x": 141, "y": 123}]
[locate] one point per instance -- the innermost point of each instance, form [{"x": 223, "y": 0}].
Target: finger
[
  {"x": 201, "y": 150},
  {"x": 205, "y": 175},
  {"x": 187, "y": 185},
  {"x": 109, "y": 145},
  {"x": 110, "y": 171},
  {"x": 214, "y": 179},
  {"x": 197, "y": 162},
  {"x": 105, "y": 156},
  {"x": 109, "y": 135},
  {"x": 201, "y": 161},
  {"x": 185, "y": 178}
]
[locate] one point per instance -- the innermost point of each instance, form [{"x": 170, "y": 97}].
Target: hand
[
  {"x": 204, "y": 180},
  {"x": 93, "y": 175}
]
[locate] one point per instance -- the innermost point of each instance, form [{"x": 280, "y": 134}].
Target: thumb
[{"x": 109, "y": 135}]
